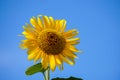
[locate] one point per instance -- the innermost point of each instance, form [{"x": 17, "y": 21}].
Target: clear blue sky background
[{"x": 98, "y": 22}]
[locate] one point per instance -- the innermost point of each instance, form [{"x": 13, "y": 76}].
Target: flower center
[{"x": 51, "y": 42}]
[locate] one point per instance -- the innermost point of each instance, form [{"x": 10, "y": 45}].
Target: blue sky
[{"x": 98, "y": 22}]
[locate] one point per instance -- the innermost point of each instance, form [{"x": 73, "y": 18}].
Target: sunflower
[{"x": 47, "y": 41}]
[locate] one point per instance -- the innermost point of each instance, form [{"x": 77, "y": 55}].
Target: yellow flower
[{"x": 46, "y": 40}]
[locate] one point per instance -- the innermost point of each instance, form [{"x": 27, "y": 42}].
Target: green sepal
[{"x": 35, "y": 69}]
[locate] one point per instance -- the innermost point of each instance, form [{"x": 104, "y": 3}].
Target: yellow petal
[
  {"x": 38, "y": 56},
  {"x": 30, "y": 43},
  {"x": 63, "y": 26},
  {"x": 57, "y": 22},
  {"x": 40, "y": 23},
  {"x": 44, "y": 61},
  {"x": 65, "y": 59},
  {"x": 28, "y": 35},
  {"x": 46, "y": 22},
  {"x": 70, "y": 33},
  {"x": 52, "y": 62},
  {"x": 60, "y": 25},
  {"x": 71, "y": 56},
  {"x": 29, "y": 32},
  {"x": 33, "y": 50},
  {"x": 73, "y": 41},
  {"x": 72, "y": 48},
  {"x": 58, "y": 61},
  {"x": 60, "y": 66},
  {"x": 22, "y": 46},
  {"x": 34, "y": 22},
  {"x": 52, "y": 22},
  {"x": 31, "y": 56},
  {"x": 69, "y": 53}
]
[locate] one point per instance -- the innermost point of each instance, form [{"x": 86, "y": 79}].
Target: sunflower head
[
  {"x": 47, "y": 41},
  {"x": 51, "y": 42}
]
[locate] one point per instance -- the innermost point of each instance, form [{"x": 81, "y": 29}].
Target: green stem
[
  {"x": 44, "y": 76},
  {"x": 48, "y": 74}
]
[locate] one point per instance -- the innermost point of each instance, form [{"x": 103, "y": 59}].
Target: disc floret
[{"x": 51, "y": 42}]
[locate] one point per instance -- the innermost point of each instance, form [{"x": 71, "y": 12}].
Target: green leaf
[
  {"x": 70, "y": 78},
  {"x": 35, "y": 69}
]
